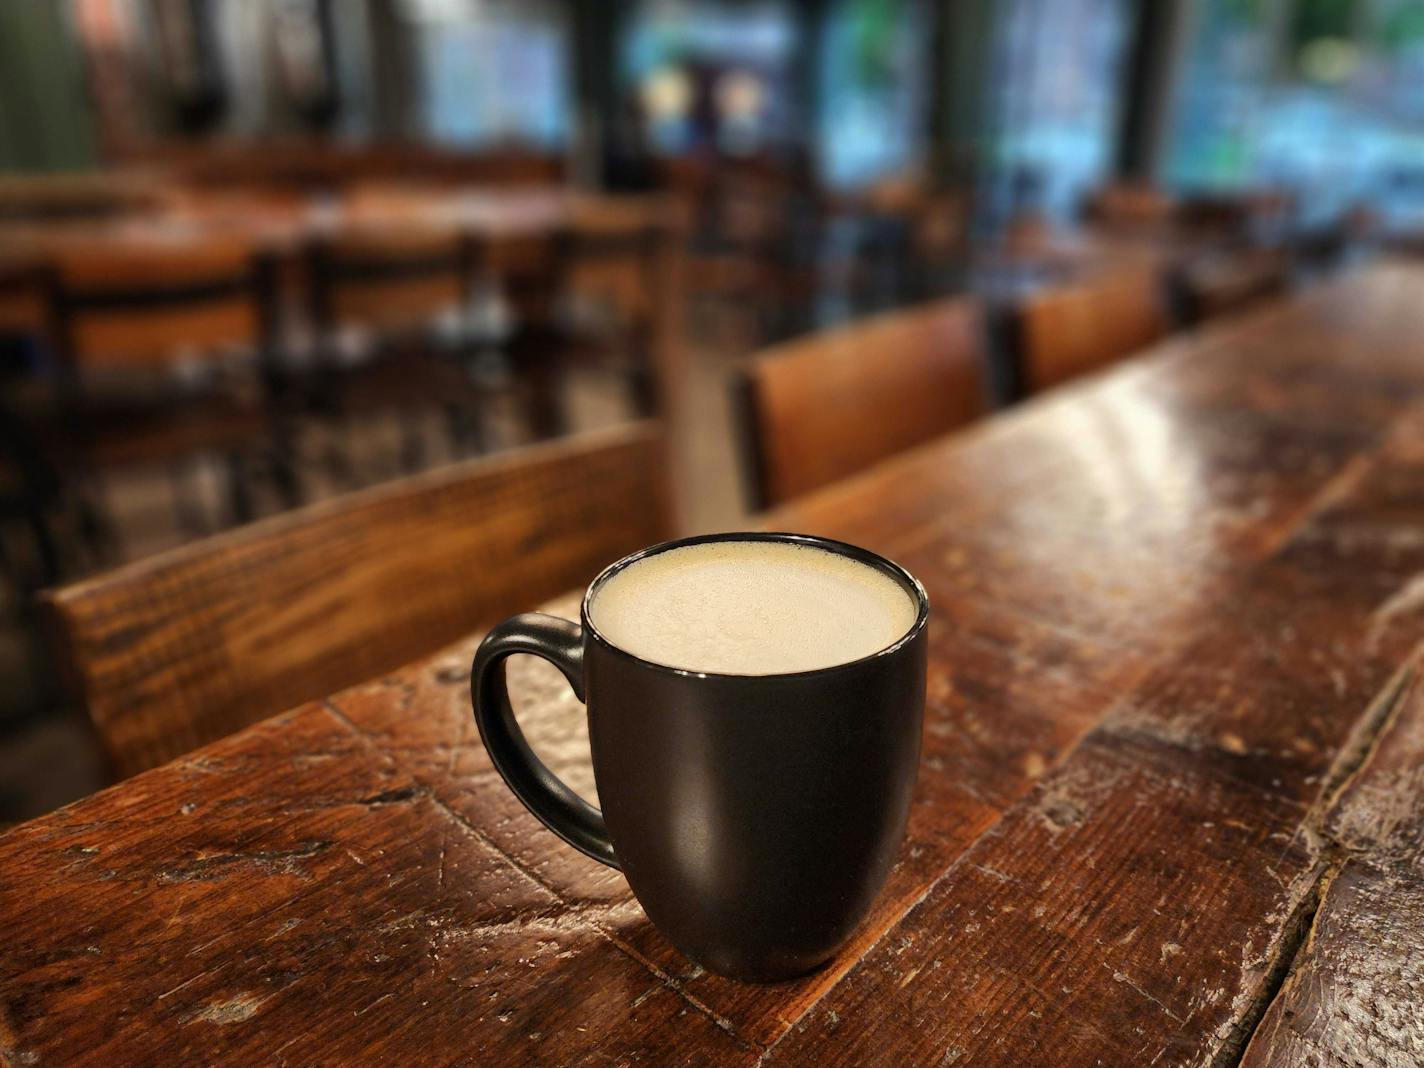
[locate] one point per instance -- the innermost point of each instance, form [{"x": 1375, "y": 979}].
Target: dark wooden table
[
  {"x": 509, "y": 223},
  {"x": 1170, "y": 808}
]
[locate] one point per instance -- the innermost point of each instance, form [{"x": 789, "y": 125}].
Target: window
[
  {"x": 493, "y": 72},
  {"x": 1327, "y": 101}
]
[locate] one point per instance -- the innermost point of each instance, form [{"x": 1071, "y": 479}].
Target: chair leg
[
  {"x": 280, "y": 461},
  {"x": 465, "y": 428},
  {"x": 412, "y": 444},
  {"x": 44, "y": 544},
  {"x": 239, "y": 490},
  {"x": 544, "y": 400},
  {"x": 336, "y": 453},
  {"x": 96, "y": 529},
  {"x": 642, "y": 376},
  {"x": 536, "y": 353},
  {"x": 188, "y": 513},
  {"x": 22, "y": 572},
  {"x": 283, "y": 469}
]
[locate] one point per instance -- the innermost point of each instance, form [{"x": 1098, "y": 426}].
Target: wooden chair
[
  {"x": 823, "y": 407},
  {"x": 1131, "y": 206},
  {"x": 387, "y": 305},
  {"x": 601, "y": 295},
  {"x": 1230, "y": 281},
  {"x": 174, "y": 651},
  {"x": 617, "y": 287},
  {"x": 389, "y": 277},
  {"x": 75, "y": 195},
  {"x": 161, "y": 341},
  {"x": 747, "y": 222},
  {"x": 1068, "y": 330},
  {"x": 940, "y": 240},
  {"x": 23, "y": 313}
]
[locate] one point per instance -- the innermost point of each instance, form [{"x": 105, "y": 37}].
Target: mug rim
[{"x": 907, "y": 581}]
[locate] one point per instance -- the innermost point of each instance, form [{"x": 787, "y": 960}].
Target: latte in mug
[
  {"x": 755, "y": 709},
  {"x": 751, "y": 608}
]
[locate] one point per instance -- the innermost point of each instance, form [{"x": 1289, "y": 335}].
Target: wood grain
[
  {"x": 1355, "y": 992},
  {"x": 1169, "y": 799},
  {"x": 178, "y": 650},
  {"x": 314, "y": 820}
]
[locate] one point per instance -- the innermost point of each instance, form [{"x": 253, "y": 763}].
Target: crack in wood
[
  {"x": 392, "y": 797},
  {"x": 1293, "y": 939},
  {"x": 1299, "y": 932},
  {"x": 1364, "y": 739}
]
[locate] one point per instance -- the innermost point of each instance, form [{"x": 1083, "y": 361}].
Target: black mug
[{"x": 755, "y": 816}]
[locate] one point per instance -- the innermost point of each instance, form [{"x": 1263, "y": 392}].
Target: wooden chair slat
[
  {"x": 178, "y": 650},
  {"x": 1233, "y": 281},
  {"x": 121, "y": 304},
  {"x": 1070, "y": 330},
  {"x": 823, "y": 407},
  {"x": 389, "y": 277}
]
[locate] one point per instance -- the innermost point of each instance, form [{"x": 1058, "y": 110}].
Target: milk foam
[{"x": 751, "y": 608}]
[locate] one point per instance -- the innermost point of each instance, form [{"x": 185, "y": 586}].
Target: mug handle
[{"x": 560, "y": 642}]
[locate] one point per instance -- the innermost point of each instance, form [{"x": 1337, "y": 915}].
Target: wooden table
[
  {"x": 510, "y": 223},
  {"x": 1170, "y": 807}
]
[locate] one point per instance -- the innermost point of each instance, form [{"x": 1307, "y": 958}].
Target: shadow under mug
[{"x": 755, "y": 816}]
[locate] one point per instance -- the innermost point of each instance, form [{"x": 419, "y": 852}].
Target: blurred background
[{"x": 256, "y": 254}]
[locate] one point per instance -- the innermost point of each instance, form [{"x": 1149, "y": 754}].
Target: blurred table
[
  {"x": 1170, "y": 807},
  {"x": 505, "y": 221}
]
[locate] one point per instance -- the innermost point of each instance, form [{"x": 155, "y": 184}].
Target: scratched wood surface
[
  {"x": 1356, "y": 994},
  {"x": 1168, "y": 811}
]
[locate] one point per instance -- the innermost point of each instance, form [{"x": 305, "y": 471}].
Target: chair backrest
[
  {"x": 23, "y": 311},
  {"x": 147, "y": 303},
  {"x": 1232, "y": 280},
  {"x": 941, "y": 226},
  {"x": 823, "y": 407},
  {"x": 175, "y": 651},
  {"x": 621, "y": 263},
  {"x": 389, "y": 275},
  {"x": 76, "y": 195},
  {"x": 611, "y": 249},
  {"x": 1131, "y": 205},
  {"x": 1071, "y": 329}
]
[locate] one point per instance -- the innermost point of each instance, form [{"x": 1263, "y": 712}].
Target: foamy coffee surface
[{"x": 751, "y": 608}]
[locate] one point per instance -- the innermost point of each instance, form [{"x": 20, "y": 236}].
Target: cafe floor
[{"x": 47, "y": 754}]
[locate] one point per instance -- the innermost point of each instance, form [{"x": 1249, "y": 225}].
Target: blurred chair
[
  {"x": 30, "y": 492},
  {"x": 1064, "y": 331},
  {"x": 321, "y": 166},
  {"x": 1229, "y": 281},
  {"x": 75, "y": 196},
  {"x": 882, "y": 271},
  {"x": 1320, "y": 250},
  {"x": 30, "y": 487},
  {"x": 388, "y": 303},
  {"x": 525, "y": 273},
  {"x": 23, "y": 311},
  {"x": 821, "y": 408},
  {"x": 1131, "y": 206},
  {"x": 939, "y": 240},
  {"x": 1261, "y": 216},
  {"x": 755, "y": 240},
  {"x": 617, "y": 290},
  {"x": 174, "y": 651},
  {"x": 160, "y": 344}
]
